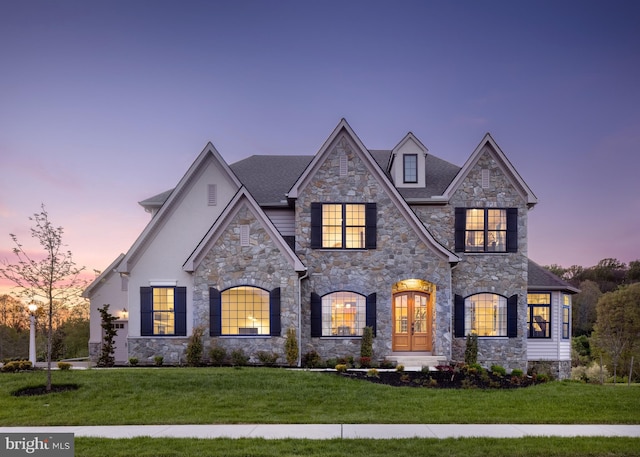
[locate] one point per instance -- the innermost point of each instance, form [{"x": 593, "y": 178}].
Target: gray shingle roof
[
  {"x": 541, "y": 279},
  {"x": 268, "y": 178}
]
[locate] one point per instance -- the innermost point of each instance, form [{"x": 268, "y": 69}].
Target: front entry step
[{"x": 416, "y": 362}]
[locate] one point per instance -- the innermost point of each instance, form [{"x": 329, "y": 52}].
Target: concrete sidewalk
[{"x": 329, "y": 431}]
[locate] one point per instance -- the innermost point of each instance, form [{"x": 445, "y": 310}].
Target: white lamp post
[{"x": 32, "y": 333}]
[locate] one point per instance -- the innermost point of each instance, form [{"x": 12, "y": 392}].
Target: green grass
[
  {"x": 264, "y": 395},
  {"x": 472, "y": 447}
]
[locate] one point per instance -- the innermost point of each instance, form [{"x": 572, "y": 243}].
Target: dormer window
[{"x": 410, "y": 168}]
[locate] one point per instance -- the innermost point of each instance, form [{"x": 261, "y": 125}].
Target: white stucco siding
[
  {"x": 163, "y": 255},
  {"x": 108, "y": 292}
]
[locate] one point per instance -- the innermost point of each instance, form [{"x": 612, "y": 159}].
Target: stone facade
[
  {"x": 415, "y": 240},
  {"x": 504, "y": 273},
  {"x": 400, "y": 254},
  {"x": 260, "y": 264}
]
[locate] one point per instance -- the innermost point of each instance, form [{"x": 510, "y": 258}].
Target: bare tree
[{"x": 54, "y": 279}]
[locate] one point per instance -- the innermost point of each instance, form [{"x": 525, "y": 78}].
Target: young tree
[
  {"x": 54, "y": 278},
  {"x": 106, "y": 358},
  {"x": 617, "y": 329}
]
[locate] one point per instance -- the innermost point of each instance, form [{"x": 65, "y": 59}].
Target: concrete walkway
[{"x": 328, "y": 431}]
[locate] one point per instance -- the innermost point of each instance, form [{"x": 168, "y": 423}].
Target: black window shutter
[
  {"x": 274, "y": 312},
  {"x": 215, "y": 312},
  {"x": 316, "y": 315},
  {"x": 316, "y": 225},
  {"x": 371, "y": 312},
  {"x": 512, "y": 316},
  {"x": 146, "y": 311},
  {"x": 460, "y": 226},
  {"x": 512, "y": 229},
  {"x": 371, "y": 222},
  {"x": 180, "y": 310},
  {"x": 458, "y": 316}
]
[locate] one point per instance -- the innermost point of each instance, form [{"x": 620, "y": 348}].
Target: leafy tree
[
  {"x": 633, "y": 275},
  {"x": 53, "y": 278},
  {"x": 617, "y": 330},
  {"x": 106, "y": 358},
  {"x": 583, "y": 311}
]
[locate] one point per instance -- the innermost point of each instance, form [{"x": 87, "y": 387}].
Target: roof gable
[
  {"x": 102, "y": 278},
  {"x": 208, "y": 155},
  {"x": 508, "y": 169},
  {"x": 242, "y": 199},
  {"x": 379, "y": 173}
]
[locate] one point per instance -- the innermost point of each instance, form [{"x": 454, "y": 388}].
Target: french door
[{"x": 411, "y": 322}]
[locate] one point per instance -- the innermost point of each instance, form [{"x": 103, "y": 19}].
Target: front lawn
[
  {"x": 273, "y": 395},
  {"x": 468, "y": 447}
]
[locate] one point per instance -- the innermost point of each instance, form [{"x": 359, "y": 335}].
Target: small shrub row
[
  {"x": 465, "y": 376},
  {"x": 17, "y": 365}
]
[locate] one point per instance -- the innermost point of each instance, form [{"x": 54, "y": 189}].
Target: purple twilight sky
[{"x": 105, "y": 103}]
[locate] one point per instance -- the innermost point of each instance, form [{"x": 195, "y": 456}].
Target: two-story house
[{"x": 423, "y": 251}]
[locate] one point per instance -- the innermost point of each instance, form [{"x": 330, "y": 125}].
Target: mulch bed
[
  {"x": 42, "y": 390},
  {"x": 442, "y": 379}
]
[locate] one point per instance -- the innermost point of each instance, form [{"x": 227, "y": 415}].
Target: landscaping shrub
[
  {"x": 365, "y": 362},
  {"x": 17, "y": 365},
  {"x": 498, "y": 370},
  {"x": 312, "y": 359},
  {"x": 64, "y": 366},
  {"x": 195, "y": 348},
  {"x": 341, "y": 368},
  {"x": 471, "y": 349},
  {"x": 399, "y": 367},
  {"x": 238, "y": 358},
  {"x": 133, "y": 361},
  {"x": 217, "y": 355},
  {"x": 373, "y": 373},
  {"x": 366, "y": 343},
  {"x": 267, "y": 358},
  {"x": 158, "y": 360},
  {"x": 517, "y": 372},
  {"x": 291, "y": 347}
]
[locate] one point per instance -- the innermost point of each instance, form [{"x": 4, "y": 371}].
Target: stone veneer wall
[
  {"x": 503, "y": 273},
  {"x": 558, "y": 369},
  {"x": 400, "y": 254},
  {"x": 261, "y": 264}
]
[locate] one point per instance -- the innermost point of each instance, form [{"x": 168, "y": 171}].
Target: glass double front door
[{"x": 411, "y": 322}]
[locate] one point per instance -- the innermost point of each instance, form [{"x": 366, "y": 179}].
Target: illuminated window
[
  {"x": 566, "y": 316},
  {"x": 343, "y": 314},
  {"x": 486, "y": 230},
  {"x": 410, "y": 168},
  {"x": 163, "y": 311},
  {"x": 539, "y": 317},
  {"x": 486, "y": 315},
  {"x": 343, "y": 225},
  {"x": 245, "y": 311}
]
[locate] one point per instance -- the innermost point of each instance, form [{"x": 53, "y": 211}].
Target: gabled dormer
[{"x": 407, "y": 163}]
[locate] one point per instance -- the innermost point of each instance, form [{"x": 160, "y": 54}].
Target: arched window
[
  {"x": 343, "y": 314},
  {"x": 486, "y": 314},
  {"x": 245, "y": 311}
]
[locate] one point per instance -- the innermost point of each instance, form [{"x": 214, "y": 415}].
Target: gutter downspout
[{"x": 306, "y": 275}]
